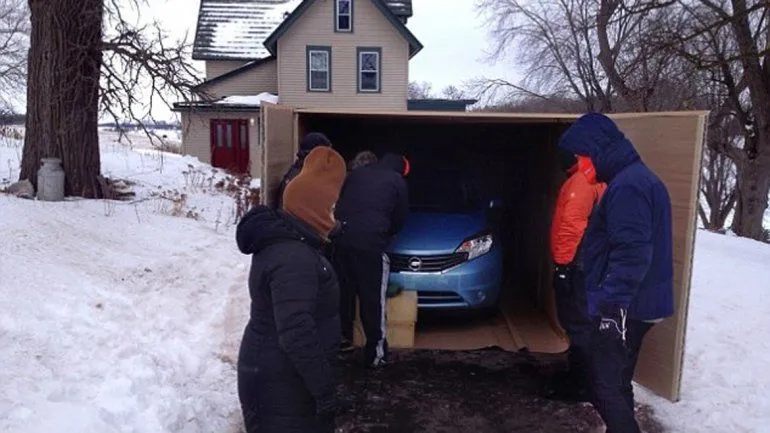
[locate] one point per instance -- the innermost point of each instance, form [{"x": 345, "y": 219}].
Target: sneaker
[
  {"x": 376, "y": 364},
  {"x": 346, "y": 346}
]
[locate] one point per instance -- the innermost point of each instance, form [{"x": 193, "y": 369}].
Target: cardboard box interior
[
  {"x": 515, "y": 153},
  {"x": 515, "y": 162}
]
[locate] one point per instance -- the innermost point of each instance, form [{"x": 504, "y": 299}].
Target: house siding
[
  {"x": 215, "y": 68},
  {"x": 370, "y": 29},
  {"x": 196, "y": 136},
  {"x": 263, "y": 78}
]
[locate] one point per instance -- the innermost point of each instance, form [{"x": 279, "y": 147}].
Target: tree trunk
[
  {"x": 753, "y": 183},
  {"x": 63, "y": 92}
]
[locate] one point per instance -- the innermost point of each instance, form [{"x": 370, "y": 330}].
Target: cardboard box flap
[
  {"x": 278, "y": 141},
  {"x": 672, "y": 147}
]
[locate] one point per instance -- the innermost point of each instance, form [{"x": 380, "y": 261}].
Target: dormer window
[{"x": 343, "y": 15}]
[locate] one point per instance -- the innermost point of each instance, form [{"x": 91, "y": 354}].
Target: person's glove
[
  {"x": 393, "y": 290},
  {"x": 562, "y": 278},
  {"x": 612, "y": 323}
]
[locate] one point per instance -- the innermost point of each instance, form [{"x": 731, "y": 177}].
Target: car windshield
[{"x": 442, "y": 191}]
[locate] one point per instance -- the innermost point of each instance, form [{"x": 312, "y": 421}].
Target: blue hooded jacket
[{"x": 628, "y": 247}]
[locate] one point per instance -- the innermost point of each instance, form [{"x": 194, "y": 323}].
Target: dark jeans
[
  {"x": 364, "y": 274},
  {"x": 572, "y": 311},
  {"x": 612, "y": 370}
]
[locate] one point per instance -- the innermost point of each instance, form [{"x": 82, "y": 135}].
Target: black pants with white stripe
[{"x": 364, "y": 274}]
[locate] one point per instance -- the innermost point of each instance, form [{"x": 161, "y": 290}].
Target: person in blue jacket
[{"x": 628, "y": 260}]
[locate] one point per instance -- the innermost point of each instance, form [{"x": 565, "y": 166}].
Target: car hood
[{"x": 428, "y": 233}]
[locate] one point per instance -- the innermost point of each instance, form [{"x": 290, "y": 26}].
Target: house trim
[
  {"x": 235, "y": 72},
  {"x": 271, "y": 43},
  {"x": 193, "y": 107},
  {"x": 336, "y": 18},
  {"x": 439, "y": 104},
  {"x": 359, "y": 51},
  {"x": 328, "y": 50}
]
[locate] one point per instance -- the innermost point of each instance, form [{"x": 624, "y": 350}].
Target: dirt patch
[{"x": 478, "y": 391}]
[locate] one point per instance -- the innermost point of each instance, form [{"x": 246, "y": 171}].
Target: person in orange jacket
[{"x": 577, "y": 198}]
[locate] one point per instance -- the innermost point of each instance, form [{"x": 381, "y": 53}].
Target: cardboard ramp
[
  {"x": 511, "y": 329},
  {"x": 518, "y": 325},
  {"x": 476, "y": 333}
]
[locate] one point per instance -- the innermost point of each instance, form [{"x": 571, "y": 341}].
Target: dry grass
[
  {"x": 174, "y": 203},
  {"x": 238, "y": 186}
]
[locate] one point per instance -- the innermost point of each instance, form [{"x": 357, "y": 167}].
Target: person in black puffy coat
[
  {"x": 286, "y": 363},
  {"x": 373, "y": 206}
]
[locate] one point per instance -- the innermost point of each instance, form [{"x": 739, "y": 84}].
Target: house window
[
  {"x": 343, "y": 15},
  {"x": 220, "y": 135},
  {"x": 369, "y": 69},
  {"x": 319, "y": 68}
]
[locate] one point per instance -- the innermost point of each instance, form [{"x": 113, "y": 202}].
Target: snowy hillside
[{"x": 125, "y": 317}]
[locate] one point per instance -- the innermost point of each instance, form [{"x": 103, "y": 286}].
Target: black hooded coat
[
  {"x": 286, "y": 364},
  {"x": 373, "y": 204}
]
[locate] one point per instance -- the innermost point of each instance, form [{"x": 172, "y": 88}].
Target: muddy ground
[{"x": 479, "y": 392}]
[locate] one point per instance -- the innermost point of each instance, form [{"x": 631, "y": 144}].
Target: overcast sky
[{"x": 454, "y": 39}]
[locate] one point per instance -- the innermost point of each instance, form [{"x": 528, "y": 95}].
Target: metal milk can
[{"x": 50, "y": 180}]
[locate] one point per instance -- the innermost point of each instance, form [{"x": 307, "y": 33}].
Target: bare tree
[
  {"x": 555, "y": 42},
  {"x": 421, "y": 90},
  {"x": 718, "y": 193},
  {"x": 75, "y": 69},
  {"x": 605, "y": 53},
  {"x": 645, "y": 74},
  {"x": 729, "y": 39},
  {"x": 453, "y": 92},
  {"x": 14, "y": 42}
]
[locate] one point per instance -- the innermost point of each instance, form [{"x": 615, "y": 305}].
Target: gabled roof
[
  {"x": 271, "y": 43},
  {"x": 239, "y": 29},
  {"x": 236, "y": 29}
]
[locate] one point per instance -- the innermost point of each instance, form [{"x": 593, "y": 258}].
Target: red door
[{"x": 230, "y": 144}]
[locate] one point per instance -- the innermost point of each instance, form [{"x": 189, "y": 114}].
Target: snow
[
  {"x": 280, "y": 12},
  {"x": 726, "y": 387},
  {"x": 116, "y": 316},
  {"x": 237, "y": 30},
  {"x": 119, "y": 317},
  {"x": 252, "y": 100}
]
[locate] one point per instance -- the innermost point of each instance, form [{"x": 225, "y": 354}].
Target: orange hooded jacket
[{"x": 576, "y": 200}]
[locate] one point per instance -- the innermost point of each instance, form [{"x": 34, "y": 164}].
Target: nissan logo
[{"x": 415, "y": 263}]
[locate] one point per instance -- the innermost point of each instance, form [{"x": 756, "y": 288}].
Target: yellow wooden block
[{"x": 401, "y": 313}]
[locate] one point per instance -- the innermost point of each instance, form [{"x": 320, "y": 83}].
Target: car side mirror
[{"x": 495, "y": 203}]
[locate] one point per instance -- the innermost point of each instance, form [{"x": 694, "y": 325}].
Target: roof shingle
[{"x": 237, "y": 29}]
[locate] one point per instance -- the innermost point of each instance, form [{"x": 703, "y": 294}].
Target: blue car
[{"x": 447, "y": 251}]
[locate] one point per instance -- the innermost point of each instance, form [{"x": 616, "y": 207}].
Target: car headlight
[{"x": 476, "y": 246}]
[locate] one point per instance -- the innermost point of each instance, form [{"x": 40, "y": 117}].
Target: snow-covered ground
[
  {"x": 726, "y": 381},
  {"x": 119, "y": 317}
]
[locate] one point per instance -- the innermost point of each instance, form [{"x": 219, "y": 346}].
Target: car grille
[
  {"x": 433, "y": 298},
  {"x": 438, "y": 263}
]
